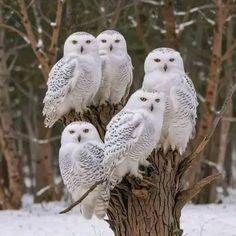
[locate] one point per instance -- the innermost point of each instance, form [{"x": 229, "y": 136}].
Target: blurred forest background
[{"x": 32, "y": 33}]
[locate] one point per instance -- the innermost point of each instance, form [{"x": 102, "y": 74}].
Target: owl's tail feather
[
  {"x": 102, "y": 202},
  {"x": 87, "y": 210},
  {"x": 50, "y": 115}
]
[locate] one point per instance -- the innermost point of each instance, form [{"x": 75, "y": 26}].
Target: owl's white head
[
  {"x": 79, "y": 132},
  {"x": 111, "y": 41},
  {"x": 81, "y": 43},
  {"x": 151, "y": 102},
  {"x": 165, "y": 60}
]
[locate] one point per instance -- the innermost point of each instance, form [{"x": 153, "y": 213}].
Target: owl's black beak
[
  {"x": 111, "y": 47},
  {"x": 81, "y": 49},
  {"x": 79, "y": 138},
  {"x": 165, "y": 67},
  {"x": 151, "y": 108}
]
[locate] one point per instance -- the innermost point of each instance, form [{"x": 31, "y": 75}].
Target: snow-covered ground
[{"x": 44, "y": 220}]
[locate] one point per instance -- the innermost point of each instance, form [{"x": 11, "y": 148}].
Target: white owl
[
  {"x": 117, "y": 69},
  {"x": 80, "y": 159},
  {"x": 75, "y": 79},
  {"x": 164, "y": 72},
  {"x": 132, "y": 135}
]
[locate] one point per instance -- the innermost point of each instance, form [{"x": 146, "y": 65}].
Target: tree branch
[
  {"x": 116, "y": 14},
  {"x": 55, "y": 33},
  {"x": 82, "y": 198},
  {"x": 24, "y": 36},
  {"x": 229, "y": 52},
  {"x": 186, "y": 195},
  {"x": 41, "y": 56}
]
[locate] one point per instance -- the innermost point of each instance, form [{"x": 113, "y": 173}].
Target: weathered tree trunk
[
  {"x": 211, "y": 90},
  {"x": 7, "y": 139},
  {"x": 148, "y": 209},
  {"x": 44, "y": 171},
  {"x": 171, "y": 37},
  {"x": 209, "y": 106},
  {"x": 217, "y": 153}
]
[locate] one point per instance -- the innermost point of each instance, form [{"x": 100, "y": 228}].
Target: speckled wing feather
[
  {"x": 91, "y": 170},
  {"x": 122, "y": 133},
  {"x": 59, "y": 84},
  {"x": 185, "y": 103},
  {"x": 88, "y": 163}
]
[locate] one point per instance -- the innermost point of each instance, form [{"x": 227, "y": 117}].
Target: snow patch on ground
[{"x": 44, "y": 220}]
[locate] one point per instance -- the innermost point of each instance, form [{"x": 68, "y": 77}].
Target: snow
[{"x": 44, "y": 220}]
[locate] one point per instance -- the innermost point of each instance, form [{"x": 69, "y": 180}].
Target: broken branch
[
  {"x": 82, "y": 198},
  {"x": 55, "y": 33},
  {"x": 186, "y": 195}
]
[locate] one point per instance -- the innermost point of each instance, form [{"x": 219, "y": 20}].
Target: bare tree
[
  {"x": 46, "y": 59},
  {"x": 10, "y": 195},
  {"x": 222, "y": 11}
]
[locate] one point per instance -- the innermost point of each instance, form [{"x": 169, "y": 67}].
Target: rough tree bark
[
  {"x": 10, "y": 196},
  {"x": 171, "y": 37},
  {"x": 152, "y": 206}
]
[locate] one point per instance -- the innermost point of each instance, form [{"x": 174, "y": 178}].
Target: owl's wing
[
  {"x": 60, "y": 82},
  {"x": 190, "y": 86},
  {"x": 129, "y": 76},
  {"x": 87, "y": 162},
  {"x": 184, "y": 100},
  {"x": 122, "y": 133},
  {"x": 96, "y": 150}
]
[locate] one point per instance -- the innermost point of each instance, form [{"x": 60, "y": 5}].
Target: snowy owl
[
  {"x": 117, "y": 69},
  {"x": 132, "y": 134},
  {"x": 80, "y": 160},
  {"x": 75, "y": 79},
  {"x": 164, "y": 72}
]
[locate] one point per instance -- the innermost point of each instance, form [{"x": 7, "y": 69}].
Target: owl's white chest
[
  {"x": 87, "y": 77},
  {"x": 66, "y": 162},
  {"x": 160, "y": 81}
]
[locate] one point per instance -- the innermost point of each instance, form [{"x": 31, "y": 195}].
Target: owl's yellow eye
[
  {"x": 157, "y": 100},
  {"x": 143, "y": 99},
  {"x": 103, "y": 40},
  {"x": 88, "y": 41},
  {"x": 157, "y": 60},
  {"x": 171, "y": 59},
  {"x": 74, "y": 41},
  {"x": 117, "y": 41},
  {"x": 71, "y": 131},
  {"x": 86, "y": 130}
]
